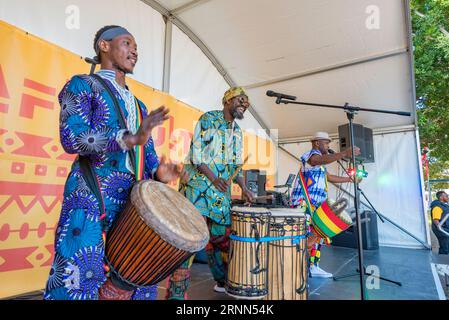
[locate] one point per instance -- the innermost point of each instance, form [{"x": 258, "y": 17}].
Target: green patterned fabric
[{"x": 216, "y": 143}]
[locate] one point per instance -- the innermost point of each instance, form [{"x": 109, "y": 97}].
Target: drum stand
[{"x": 350, "y": 112}]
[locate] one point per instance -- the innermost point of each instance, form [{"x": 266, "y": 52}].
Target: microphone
[
  {"x": 330, "y": 151},
  {"x": 280, "y": 96}
]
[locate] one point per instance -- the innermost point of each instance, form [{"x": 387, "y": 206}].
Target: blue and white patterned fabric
[
  {"x": 89, "y": 126},
  {"x": 131, "y": 110},
  {"x": 316, "y": 181}
]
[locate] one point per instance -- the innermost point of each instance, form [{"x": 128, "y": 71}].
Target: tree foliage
[{"x": 430, "y": 23}]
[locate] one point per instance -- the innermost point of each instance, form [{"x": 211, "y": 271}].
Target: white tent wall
[
  {"x": 195, "y": 80},
  {"x": 393, "y": 186},
  {"x": 52, "y": 21}
]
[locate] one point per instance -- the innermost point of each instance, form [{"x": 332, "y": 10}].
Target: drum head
[
  {"x": 287, "y": 212},
  {"x": 170, "y": 215},
  {"x": 246, "y": 209},
  {"x": 345, "y": 217}
]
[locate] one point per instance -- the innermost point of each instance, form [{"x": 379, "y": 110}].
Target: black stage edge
[{"x": 217, "y": 309}]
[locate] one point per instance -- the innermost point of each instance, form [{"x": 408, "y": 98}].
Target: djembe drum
[
  {"x": 247, "y": 266},
  {"x": 331, "y": 218},
  {"x": 287, "y": 258},
  {"x": 158, "y": 230}
]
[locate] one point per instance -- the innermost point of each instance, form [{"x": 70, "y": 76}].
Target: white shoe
[
  {"x": 219, "y": 289},
  {"x": 317, "y": 272}
]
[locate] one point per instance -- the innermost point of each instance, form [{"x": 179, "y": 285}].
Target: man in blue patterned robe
[{"x": 89, "y": 126}]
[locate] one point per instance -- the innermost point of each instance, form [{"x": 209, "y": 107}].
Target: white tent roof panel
[
  {"x": 260, "y": 41},
  {"x": 174, "y": 4},
  {"x": 292, "y": 36},
  {"x": 380, "y": 84},
  {"x": 190, "y": 70}
]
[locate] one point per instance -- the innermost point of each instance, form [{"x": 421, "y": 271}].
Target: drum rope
[
  {"x": 117, "y": 274},
  {"x": 295, "y": 239},
  {"x": 303, "y": 253}
]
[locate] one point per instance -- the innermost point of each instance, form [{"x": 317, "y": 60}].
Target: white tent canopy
[
  {"x": 328, "y": 52},
  {"x": 323, "y": 51}
]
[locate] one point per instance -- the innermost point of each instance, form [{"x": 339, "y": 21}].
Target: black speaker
[
  {"x": 369, "y": 145},
  {"x": 370, "y": 237},
  {"x": 255, "y": 181},
  {"x": 363, "y": 138}
]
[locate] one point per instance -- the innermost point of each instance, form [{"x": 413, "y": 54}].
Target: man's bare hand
[
  {"x": 248, "y": 196},
  {"x": 221, "y": 184},
  {"x": 154, "y": 119},
  {"x": 168, "y": 171},
  {"x": 348, "y": 152}
]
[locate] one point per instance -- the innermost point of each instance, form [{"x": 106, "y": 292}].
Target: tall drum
[
  {"x": 287, "y": 259},
  {"x": 155, "y": 234},
  {"x": 247, "y": 267}
]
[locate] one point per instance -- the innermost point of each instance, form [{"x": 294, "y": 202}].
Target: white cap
[{"x": 321, "y": 136}]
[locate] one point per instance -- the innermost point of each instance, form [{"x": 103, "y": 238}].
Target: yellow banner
[{"x": 34, "y": 166}]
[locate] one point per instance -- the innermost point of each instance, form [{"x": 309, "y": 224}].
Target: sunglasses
[{"x": 243, "y": 100}]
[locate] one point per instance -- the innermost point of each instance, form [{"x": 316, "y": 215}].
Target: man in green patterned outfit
[{"x": 215, "y": 154}]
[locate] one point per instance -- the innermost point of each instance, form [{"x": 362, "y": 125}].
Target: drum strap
[
  {"x": 85, "y": 165},
  {"x": 305, "y": 191},
  {"x": 91, "y": 181},
  {"x": 119, "y": 113},
  {"x": 136, "y": 154},
  {"x": 312, "y": 211}
]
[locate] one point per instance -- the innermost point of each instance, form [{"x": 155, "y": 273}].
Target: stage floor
[
  {"x": 419, "y": 271},
  {"x": 410, "y": 267}
]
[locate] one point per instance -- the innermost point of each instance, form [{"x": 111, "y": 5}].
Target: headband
[{"x": 110, "y": 34}]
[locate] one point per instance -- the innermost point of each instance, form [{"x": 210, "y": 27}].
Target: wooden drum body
[
  {"x": 287, "y": 259},
  {"x": 158, "y": 230},
  {"x": 247, "y": 266}
]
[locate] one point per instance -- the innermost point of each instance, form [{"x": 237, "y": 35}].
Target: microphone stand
[
  {"x": 350, "y": 113},
  {"x": 381, "y": 219}
]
